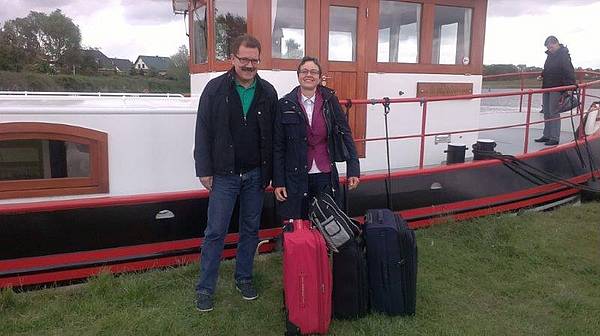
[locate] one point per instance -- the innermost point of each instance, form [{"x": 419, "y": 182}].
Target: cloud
[
  {"x": 21, "y": 8},
  {"x": 136, "y": 12},
  {"x": 511, "y": 8},
  {"x": 149, "y": 11}
]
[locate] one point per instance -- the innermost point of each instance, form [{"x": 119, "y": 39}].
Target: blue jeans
[{"x": 226, "y": 189}]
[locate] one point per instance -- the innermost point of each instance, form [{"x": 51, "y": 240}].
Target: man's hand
[
  {"x": 206, "y": 182},
  {"x": 280, "y": 194},
  {"x": 353, "y": 182}
]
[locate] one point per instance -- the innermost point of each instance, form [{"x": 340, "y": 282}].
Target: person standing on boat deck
[
  {"x": 308, "y": 122},
  {"x": 558, "y": 71},
  {"x": 233, "y": 154}
]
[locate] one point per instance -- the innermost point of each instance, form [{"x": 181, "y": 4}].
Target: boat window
[
  {"x": 399, "y": 26},
  {"x": 230, "y": 22},
  {"x": 342, "y": 33},
  {"x": 200, "y": 35},
  {"x": 43, "y": 159},
  {"x": 287, "y": 29},
  {"x": 452, "y": 35}
]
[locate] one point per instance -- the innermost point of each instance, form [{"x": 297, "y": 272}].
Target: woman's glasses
[{"x": 305, "y": 72}]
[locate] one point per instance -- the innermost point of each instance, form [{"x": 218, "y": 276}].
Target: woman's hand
[
  {"x": 353, "y": 182},
  {"x": 280, "y": 194}
]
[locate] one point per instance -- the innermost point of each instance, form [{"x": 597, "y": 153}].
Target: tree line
[{"x": 51, "y": 43}]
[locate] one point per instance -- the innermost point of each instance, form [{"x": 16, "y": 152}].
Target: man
[
  {"x": 558, "y": 71},
  {"x": 233, "y": 154}
]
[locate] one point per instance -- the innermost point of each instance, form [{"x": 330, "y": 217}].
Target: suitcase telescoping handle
[{"x": 300, "y": 224}]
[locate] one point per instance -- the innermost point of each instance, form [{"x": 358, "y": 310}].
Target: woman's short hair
[{"x": 306, "y": 59}]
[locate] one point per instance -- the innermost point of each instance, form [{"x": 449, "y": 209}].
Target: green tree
[
  {"x": 497, "y": 69},
  {"x": 18, "y": 44},
  {"x": 40, "y": 41},
  {"x": 179, "y": 68},
  {"x": 59, "y": 37}
]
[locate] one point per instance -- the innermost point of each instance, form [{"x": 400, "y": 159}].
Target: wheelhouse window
[
  {"x": 342, "y": 34},
  {"x": 230, "y": 22},
  {"x": 200, "y": 35},
  {"x": 398, "y": 33},
  {"x": 43, "y": 159},
  {"x": 452, "y": 35},
  {"x": 287, "y": 29}
]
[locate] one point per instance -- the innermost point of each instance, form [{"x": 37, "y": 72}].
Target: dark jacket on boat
[
  {"x": 219, "y": 147},
  {"x": 290, "y": 145},
  {"x": 558, "y": 70}
]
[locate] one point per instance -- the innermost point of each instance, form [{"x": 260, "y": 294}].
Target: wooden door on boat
[{"x": 342, "y": 55}]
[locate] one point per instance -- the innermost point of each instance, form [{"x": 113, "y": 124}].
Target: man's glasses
[
  {"x": 305, "y": 72},
  {"x": 245, "y": 60}
]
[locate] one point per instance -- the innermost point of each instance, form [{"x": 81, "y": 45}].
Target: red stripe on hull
[
  {"x": 106, "y": 255},
  {"x": 51, "y": 277},
  {"x": 494, "y": 209}
]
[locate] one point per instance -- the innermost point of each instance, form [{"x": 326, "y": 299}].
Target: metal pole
[
  {"x": 526, "y": 145},
  {"x": 581, "y": 110},
  {"x": 386, "y": 111},
  {"x": 521, "y": 99},
  {"x": 423, "y": 124}
]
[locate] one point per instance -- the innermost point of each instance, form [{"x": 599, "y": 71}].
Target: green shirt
[{"x": 246, "y": 95}]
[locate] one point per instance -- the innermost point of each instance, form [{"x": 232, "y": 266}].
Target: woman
[{"x": 311, "y": 133}]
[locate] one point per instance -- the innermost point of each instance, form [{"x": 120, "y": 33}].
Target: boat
[{"x": 95, "y": 182}]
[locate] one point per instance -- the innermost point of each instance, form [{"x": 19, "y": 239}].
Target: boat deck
[{"x": 510, "y": 141}]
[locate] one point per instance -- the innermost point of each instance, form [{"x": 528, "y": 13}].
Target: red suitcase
[{"x": 306, "y": 280}]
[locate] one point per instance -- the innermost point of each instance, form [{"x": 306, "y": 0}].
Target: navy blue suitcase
[{"x": 392, "y": 262}]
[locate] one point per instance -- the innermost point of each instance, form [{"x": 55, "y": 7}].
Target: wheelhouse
[{"x": 367, "y": 48}]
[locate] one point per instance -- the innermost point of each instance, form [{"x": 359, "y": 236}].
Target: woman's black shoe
[{"x": 542, "y": 139}]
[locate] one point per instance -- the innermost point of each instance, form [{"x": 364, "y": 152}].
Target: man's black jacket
[
  {"x": 558, "y": 69},
  {"x": 214, "y": 150}
]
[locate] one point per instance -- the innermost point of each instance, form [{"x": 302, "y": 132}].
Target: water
[{"x": 511, "y": 104}]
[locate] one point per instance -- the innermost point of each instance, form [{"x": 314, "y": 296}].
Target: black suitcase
[
  {"x": 392, "y": 262},
  {"x": 350, "y": 281}
]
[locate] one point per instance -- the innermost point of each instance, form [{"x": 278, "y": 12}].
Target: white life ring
[{"x": 592, "y": 123}]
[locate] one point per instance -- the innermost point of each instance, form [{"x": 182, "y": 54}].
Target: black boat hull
[{"x": 66, "y": 240}]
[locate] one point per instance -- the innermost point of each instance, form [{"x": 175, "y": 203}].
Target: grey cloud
[
  {"x": 149, "y": 11},
  {"x": 136, "y": 11},
  {"x": 510, "y": 8},
  {"x": 21, "y": 8}
]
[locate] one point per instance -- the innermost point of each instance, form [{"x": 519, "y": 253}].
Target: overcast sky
[{"x": 515, "y": 29}]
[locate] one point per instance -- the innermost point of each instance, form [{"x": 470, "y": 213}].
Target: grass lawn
[{"x": 533, "y": 274}]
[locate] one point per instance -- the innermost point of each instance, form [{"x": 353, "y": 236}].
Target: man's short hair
[
  {"x": 550, "y": 39},
  {"x": 245, "y": 40},
  {"x": 309, "y": 59}
]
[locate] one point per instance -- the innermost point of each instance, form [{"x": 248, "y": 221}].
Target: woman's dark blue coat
[{"x": 290, "y": 146}]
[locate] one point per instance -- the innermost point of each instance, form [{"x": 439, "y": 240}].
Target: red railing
[
  {"x": 424, "y": 102},
  {"x": 580, "y": 74}
]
